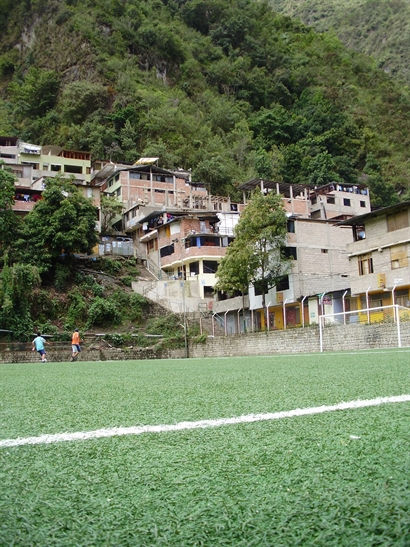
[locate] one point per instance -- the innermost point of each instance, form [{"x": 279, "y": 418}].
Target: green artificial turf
[{"x": 333, "y": 479}]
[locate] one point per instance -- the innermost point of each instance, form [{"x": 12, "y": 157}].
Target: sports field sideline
[{"x": 334, "y": 477}]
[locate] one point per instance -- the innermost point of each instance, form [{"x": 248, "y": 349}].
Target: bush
[
  {"x": 127, "y": 280},
  {"x": 77, "y": 312},
  {"x": 103, "y": 312},
  {"x": 132, "y": 305},
  {"x": 44, "y": 306},
  {"x": 47, "y": 328},
  {"x": 62, "y": 276},
  {"x": 167, "y": 325}
]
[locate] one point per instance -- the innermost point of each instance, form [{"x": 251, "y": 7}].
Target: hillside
[
  {"x": 379, "y": 28},
  {"x": 92, "y": 294},
  {"x": 228, "y": 89}
]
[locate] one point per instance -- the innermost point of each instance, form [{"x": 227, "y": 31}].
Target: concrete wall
[
  {"x": 92, "y": 354},
  {"x": 336, "y": 338}
]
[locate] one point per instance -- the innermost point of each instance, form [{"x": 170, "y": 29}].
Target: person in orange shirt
[{"x": 75, "y": 345}]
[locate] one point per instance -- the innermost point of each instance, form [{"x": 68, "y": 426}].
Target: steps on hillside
[{"x": 145, "y": 274}]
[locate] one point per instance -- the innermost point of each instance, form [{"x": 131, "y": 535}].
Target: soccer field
[{"x": 331, "y": 478}]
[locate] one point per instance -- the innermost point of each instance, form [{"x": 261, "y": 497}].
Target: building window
[
  {"x": 365, "y": 263},
  {"x": 291, "y": 226},
  {"x": 194, "y": 268},
  {"x": 330, "y": 199},
  {"x": 290, "y": 252},
  {"x": 398, "y": 257},
  {"x": 73, "y": 169},
  {"x": 208, "y": 291},
  {"x": 313, "y": 200},
  {"x": 283, "y": 283},
  {"x": 324, "y": 251},
  {"x": 359, "y": 233},
  {"x": 397, "y": 221},
  {"x": 346, "y": 202},
  {"x": 166, "y": 251},
  {"x": 55, "y": 167},
  {"x": 210, "y": 266},
  {"x": 258, "y": 288},
  {"x": 362, "y": 204},
  {"x": 402, "y": 298}
]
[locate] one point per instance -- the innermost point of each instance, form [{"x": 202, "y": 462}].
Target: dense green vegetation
[
  {"x": 45, "y": 287},
  {"x": 228, "y": 89},
  {"x": 380, "y": 28}
]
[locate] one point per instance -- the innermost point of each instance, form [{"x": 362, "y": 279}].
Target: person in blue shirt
[{"x": 38, "y": 345}]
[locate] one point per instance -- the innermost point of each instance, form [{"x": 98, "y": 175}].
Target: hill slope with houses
[{"x": 230, "y": 91}]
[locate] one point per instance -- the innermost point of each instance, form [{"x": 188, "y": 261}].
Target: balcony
[{"x": 183, "y": 255}]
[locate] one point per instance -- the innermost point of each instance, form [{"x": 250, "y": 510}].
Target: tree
[
  {"x": 16, "y": 289},
  {"x": 255, "y": 257},
  {"x": 110, "y": 209},
  {"x": 62, "y": 222},
  {"x": 8, "y": 220},
  {"x": 382, "y": 193},
  {"x": 81, "y": 98},
  {"x": 36, "y": 94}
]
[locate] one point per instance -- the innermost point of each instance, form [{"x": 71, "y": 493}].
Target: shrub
[
  {"x": 47, "y": 328},
  {"x": 167, "y": 325},
  {"x": 127, "y": 280},
  {"x": 132, "y": 305},
  {"x": 44, "y": 305},
  {"x": 62, "y": 276},
  {"x": 77, "y": 312},
  {"x": 102, "y": 312}
]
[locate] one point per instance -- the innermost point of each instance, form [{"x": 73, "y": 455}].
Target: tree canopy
[
  {"x": 61, "y": 223},
  {"x": 255, "y": 256},
  {"x": 8, "y": 220}
]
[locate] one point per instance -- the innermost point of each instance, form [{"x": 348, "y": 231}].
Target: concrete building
[
  {"x": 319, "y": 278},
  {"x": 317, "y": 281},
  {"x": 339, "y": 201},
  {"x": 32, "y": 164},
  {"x": 379, "y": 266},
  {"x": 180, "y": 233}
]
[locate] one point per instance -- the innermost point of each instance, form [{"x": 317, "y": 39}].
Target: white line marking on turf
[{"x": 201, "y": 424}]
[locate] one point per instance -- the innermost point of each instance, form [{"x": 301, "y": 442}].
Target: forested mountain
[
  {"x": 226, "y": 88},
  {"x": 380, "y": 28}
]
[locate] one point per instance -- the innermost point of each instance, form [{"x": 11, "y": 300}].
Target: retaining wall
[
  {"x": 307, "y": 340},
  {"x": 94, "y": 354}
]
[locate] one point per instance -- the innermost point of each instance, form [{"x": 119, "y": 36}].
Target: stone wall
[
  {"x": 307, "y": 340},
  {"x": 335, "y": 338},
  {"x": 15, "y": 355}
]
